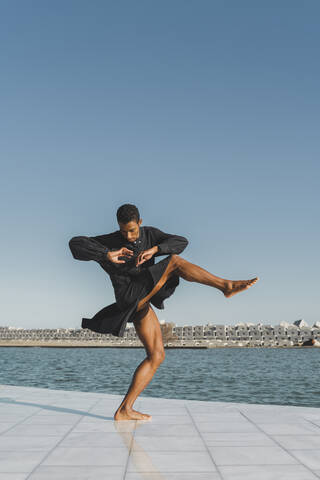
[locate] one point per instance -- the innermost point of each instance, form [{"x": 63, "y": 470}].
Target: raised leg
[
  {"x": 148, "y": 330},
  {"x": 193, "y": 273}
]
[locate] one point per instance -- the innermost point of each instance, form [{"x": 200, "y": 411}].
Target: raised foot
[
  {"x": 131, "y": 415},
  {"x": 236, "y": 286}
]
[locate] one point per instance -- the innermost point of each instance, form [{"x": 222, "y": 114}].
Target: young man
[{"x": 127, "y": 255}]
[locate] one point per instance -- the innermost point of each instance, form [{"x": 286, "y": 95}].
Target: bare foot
[
  {"x": 236, "y": 286},
  {"x": 124, "y": 414}
]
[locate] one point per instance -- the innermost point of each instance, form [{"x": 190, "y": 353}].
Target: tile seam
[
  {"x": 129, "y": 451},
  {"x": 279, "y": 445},
  {"x": 52, "y": 449},
  {"x": 20, "y": 422},
  {"x": 203, "y": 440}
]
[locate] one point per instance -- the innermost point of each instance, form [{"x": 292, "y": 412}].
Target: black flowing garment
[{"x": 131, "y": 284}]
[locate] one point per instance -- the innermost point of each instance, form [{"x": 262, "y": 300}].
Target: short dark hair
[{"x": 127, "y": 213}]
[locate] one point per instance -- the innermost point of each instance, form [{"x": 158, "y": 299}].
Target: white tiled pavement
[{"x": 67, "y": 435}]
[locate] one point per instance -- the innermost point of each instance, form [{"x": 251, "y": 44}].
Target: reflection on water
[{"x": 250, "y": 375}]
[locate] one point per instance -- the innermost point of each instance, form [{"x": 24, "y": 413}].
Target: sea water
[{"x": 283, "y": 376}]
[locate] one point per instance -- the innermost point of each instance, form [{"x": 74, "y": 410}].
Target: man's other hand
[
  {"x": 146, "y": 255},
  {"x": 123, "y": 252}
]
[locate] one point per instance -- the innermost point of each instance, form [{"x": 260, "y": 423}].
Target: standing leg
[{"x": 148, "y": 330}]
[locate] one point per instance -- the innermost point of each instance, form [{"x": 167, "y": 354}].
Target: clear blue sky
[{"x": 205, "y": 114}]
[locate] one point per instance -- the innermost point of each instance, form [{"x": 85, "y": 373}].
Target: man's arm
[
  {"x": 167, "y": 243},
  {"x": 87, "y": 248}
]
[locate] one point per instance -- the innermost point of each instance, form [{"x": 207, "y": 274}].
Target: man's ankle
[{"x": 126, "y": 408}]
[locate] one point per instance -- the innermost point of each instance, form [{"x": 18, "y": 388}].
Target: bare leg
[
  {"x": 148, "y": 330},
  {"x": 193, "y": 273}
]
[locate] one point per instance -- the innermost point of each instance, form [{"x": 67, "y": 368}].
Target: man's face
[{"x": 130, "y": 230}]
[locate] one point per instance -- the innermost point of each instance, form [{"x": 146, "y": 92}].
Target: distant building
[
  {"x": 248, "y": 334},
  {"x": 300, "y": 323}
]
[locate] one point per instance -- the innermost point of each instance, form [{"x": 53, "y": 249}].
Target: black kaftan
[{"x": 131, "y": 284}]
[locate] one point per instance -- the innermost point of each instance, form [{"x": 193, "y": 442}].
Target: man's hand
[
  {"x": 146, "y": 255},
  {"x": 123, "y": 252}
]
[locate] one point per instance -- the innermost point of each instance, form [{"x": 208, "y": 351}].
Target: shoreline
[{"x": 74, "y": 344}]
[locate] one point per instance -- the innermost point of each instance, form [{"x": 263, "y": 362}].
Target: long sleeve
[
  {"x": 86, "y": 248},
  {"x": 168, "y": 243}
]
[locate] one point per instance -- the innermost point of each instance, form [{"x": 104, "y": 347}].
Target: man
[{"x": 127, "y": 255}]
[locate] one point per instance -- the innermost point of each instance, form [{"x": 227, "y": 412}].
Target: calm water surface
[{"x": 251, "y": 375}]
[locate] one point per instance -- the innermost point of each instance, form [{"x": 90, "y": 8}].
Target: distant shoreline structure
[{"x": 284, "y": 335}]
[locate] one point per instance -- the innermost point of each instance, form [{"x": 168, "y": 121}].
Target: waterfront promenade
[{"x": 70, "y": 435}]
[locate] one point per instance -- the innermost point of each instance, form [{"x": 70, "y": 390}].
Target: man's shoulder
[
  {"x": 150, "y": 228},
  {"x": 109, "y": 238}
]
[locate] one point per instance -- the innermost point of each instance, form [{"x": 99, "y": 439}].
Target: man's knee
[
  {"x": 157, "y": 357},
  {"x": 177, "y": 260}
]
